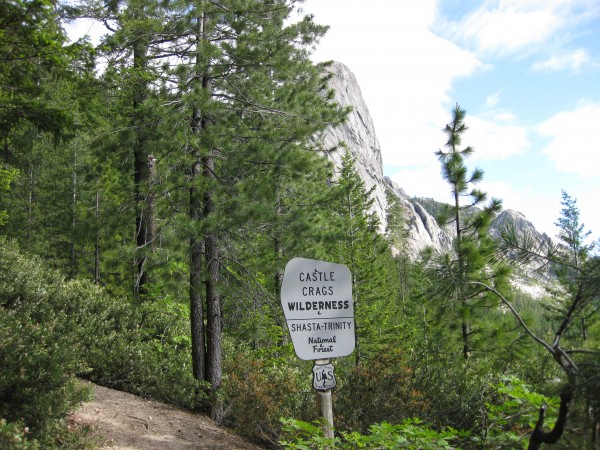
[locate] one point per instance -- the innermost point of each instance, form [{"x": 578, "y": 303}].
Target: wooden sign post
[
  {"x": 323, "y": 393},
  {"x": 316, "y": 297}
]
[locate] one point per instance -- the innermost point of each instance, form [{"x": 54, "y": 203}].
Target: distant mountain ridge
[{"x": 358, "y": 133}]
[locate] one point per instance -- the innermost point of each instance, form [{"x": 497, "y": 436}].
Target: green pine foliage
[
  {"x": 358, "y": 245},
  {"x": 34, "y": 51},
  {"x": 472, "y": 258},
  {"x": 177, "y": 178}
]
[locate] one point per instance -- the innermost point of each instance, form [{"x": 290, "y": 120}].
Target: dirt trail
[{"x": 127, "y": 422}]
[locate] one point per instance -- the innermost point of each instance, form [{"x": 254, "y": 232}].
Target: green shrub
[
  {"x": 454, "y": 391},
  {"x": 379, "y": 389},
  {"x": 513, "y": 414},
  {"x": 13, "y": 437},
  {"x": 39, "y": 354},
  {"x": 410, "y": 434},
  {"x": 53, "y": 330},
  {"x": 259, "y": 387},
  {"x": 146, "y": 350}
]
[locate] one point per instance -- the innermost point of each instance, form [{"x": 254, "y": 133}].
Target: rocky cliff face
[
  {"x": 358, "y": 134},
  {"x": 422, "y": 230}
]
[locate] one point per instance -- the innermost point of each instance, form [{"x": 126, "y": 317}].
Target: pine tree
[
  {"x": 33, "y": 48},
  {"x": 573, "y": 252},
  {"x": 473, "y": 248},
  {"x": 357, "y": 244},
  {"x": 252, "y": 99},
  {"x": 572, "y": 233},
  {"x": 48, "y": 177},
  {"x": 134, "y": 50},
  {"x": 582, "y": 288},
  {"x": 6, "y": 177}
]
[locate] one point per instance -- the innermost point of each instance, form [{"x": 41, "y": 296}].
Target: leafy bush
[
  {"x": 514, "y": 413},
  {"x": 39, "y": 355},
  {"x": 410, "y": 434},
  {"x": 454, "y": 391},
  {"x": 13, "y": 437},
  {"x": 144, "y": 350},
  {"x": 259, "y": 388},
  {"x": 379, "y": 389},
  {"x": 53, "y": 330}
]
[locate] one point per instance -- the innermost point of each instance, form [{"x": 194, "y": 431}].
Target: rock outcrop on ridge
[{"x": 359, "y": 136}]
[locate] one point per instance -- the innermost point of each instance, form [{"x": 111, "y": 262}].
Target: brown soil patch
[{"x": 124, "y": 421}]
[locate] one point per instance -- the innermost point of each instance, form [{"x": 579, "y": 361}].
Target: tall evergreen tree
[
  {"x": 473, "y": 247},
  {"x": 6, "y": 177},
  {"x": 577, "y": 362},
  {"x": 572, "y": 233},
  {"x": 253, "y": 99},
  {"x": 135, "y": 53},
  {"x": 34, "y": 48},
  {"x": 573, "y": 252},
  {"x": 357, "y": 244},
  {"x": 230, "y": 84}
]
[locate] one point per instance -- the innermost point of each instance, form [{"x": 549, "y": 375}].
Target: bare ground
[{"x": 123, "y": 421}]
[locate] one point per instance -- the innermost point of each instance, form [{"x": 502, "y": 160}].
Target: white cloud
[
  {"x": 424, "y": 181},
  {"x": 405, "y": 70},
  {"x": 492, "y": 100},
  {"x": 492, "y": 140},
  {"x": 510, "y": 26},
  {"x": 80, "y": 28},
  {"x": 569, "y": 61},
  {"x": 574, "y": 146}
]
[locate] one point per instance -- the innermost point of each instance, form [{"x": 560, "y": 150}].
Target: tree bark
[
  {"x": 213, "y": 300},
  {"x": 140, "y": 165},
  {"x": 74, "y": 217},
  {"x": 466, "y": 333},
  {"x": 151, "y": 204},
  {"x": 196, "y": 249},
  {"x": 539, "y": 436},
  {"x": 97, "y": 243},
  {"x": 199, "y": 123}
]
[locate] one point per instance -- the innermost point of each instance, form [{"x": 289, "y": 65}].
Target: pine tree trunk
[
  {"x": 198, "y": 126},
  {"x": 466, "y": 324},
  {"x": 140, "y": 169},
  {"x": 213, "y": 301},
  {"x": 97, "y": 243},
  {"x": 151, "y": 204},
  {"x": 466, "y": 332},
  {"x": 30, "y": 205},
  {"x": 278, "y": 255},
  {"x": 74, "y": 217},
  {"x": 196, "y": 248}
]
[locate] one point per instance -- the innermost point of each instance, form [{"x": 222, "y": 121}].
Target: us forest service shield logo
[{"x": 323, "y": 377}]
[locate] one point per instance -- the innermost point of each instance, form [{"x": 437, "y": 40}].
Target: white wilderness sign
[{"x": 316, "y": 297}]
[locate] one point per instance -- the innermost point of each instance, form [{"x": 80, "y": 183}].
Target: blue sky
[{"x": 526, "y": 71}]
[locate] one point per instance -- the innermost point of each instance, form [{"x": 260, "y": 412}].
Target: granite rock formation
[
  {"x": 360, "y": 139},
  {"x": 358, "y": 135}
]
